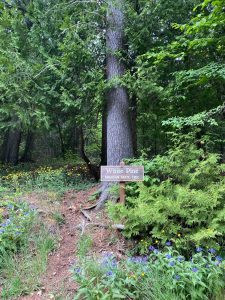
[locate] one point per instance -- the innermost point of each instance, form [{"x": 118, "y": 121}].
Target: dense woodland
[
  {"x": 91, "y": 83},
  {"x": 58, "y": 83}
]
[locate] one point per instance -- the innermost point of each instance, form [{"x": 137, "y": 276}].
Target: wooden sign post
[
  {"x": 122, "y": 174},
  {"x": 122, "y": 187}
]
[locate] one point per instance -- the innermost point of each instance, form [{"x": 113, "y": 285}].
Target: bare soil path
[{"x": 57, "y": 283}]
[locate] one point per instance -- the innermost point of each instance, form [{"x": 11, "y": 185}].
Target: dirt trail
[{"x": 57, "y": 283}]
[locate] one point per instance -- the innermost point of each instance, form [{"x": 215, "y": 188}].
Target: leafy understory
[{"x": 25, "y": 246}]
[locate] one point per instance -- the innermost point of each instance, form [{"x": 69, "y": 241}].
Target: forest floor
[{"x": 58, "y": 283}]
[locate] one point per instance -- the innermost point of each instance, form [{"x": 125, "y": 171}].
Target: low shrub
[
  {"x": 16, "y": 220},
  {"x": 30, "y": 259},
  {"x": 47, "y": 178},
  {"x": 159, "y": 275},
  {"x": 24, "y": 247},
  {"x": 182, "y": 198}
]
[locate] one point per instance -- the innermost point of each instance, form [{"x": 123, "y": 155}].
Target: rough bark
[
  {"x": 94, "y": 170},
  {"x": 11, "y": 144},
  {"x": 61, "y": 139},
  {"x": 27, "y": 154},
  {"x": 119, "y": 133},
  {"x": 119, "y": 136},
  {"x": 104, "y": 135},
  {"x": 74, "y": 139}
]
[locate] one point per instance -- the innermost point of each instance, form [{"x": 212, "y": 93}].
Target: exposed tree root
[{"x": 105, "y": 195}]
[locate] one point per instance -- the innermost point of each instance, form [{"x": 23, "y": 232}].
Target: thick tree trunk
[
  {"x": 104, "y": 135},
  {"x": 119, "y": 133},
  {"x": 11, "y": 144},
  {"x": 27, "y": 155}
]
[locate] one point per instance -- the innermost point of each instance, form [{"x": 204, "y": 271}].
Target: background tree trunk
[
  {"x": 94, "y": 170},
  {"x": 61, "y": 139},
  {"x": 11, "y": 144},
  {"x": 27, "y": 154}
]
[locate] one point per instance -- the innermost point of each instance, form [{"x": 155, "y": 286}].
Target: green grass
[
  {"x": 84, "y": 245},
  {"x": 22, "y": 267},
  {"x": 21, "y": 272},
  {"x": 59, "y": 218},
  {"x": 156, "y": 288}
]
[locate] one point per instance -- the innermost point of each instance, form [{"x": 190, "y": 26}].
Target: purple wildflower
[
  {"x": 156, "y": 251},
  {"x": 168, "y": 256},
  {"x": 180, "y": 258},
  {"x": 177, "y": 277},
  {"x": 168, "y": 244},
  {"x": 108, "y": 255},
  {"x": 199, "y": 249},
  {"x": 114, "y": 263},
  {"x": 151, "y": 248},
  {"x": 78, "y": 270},
  {"x": 194, "y": 270},
  {"x": 132, "y": 259},
  {"x": 219, "y": 258},
  {"x": 144, "y": 259},
  {"x": 109, "y": 273},
  {"x": 212, "y": 250},
  {"x": 172, "y": 263},
  {"x": 139, "y": 259}
]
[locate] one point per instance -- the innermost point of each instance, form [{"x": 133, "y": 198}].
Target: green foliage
[
  {"x": 31, "y": 259},
  {"x": 105, "y": 279},
  {"x": 84, "y": 245},
  {"x": 182, "y": 198},
  {"x": 46, "y": 178},
  {"x": 179, "y": 78},
  {"x": 160, "y": 275},
  {"x": 24, "y": 246},
  {"x": 16, "y": 221},
  {"x": 59, "y": 218},
  {"x": 197, "y": 120},
  {"x": 202, "y": 277}
]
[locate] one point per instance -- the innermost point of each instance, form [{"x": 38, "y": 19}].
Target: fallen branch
[{"x": 114, "y": 226}]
